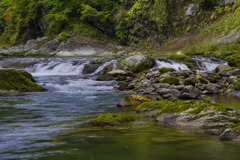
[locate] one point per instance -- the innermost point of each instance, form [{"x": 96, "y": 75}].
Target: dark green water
[{"x": 54, "y": 126}]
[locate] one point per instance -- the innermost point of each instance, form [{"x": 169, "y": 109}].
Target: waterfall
[
  {"x": 169, "y": 64},
  {"x": 208, "y": 63},
  {"x": 58, "y": 66}
]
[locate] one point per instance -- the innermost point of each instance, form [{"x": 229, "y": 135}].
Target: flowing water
[{"x": 53, "y": 125}]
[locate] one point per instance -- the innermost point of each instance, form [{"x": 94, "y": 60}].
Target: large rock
[
  {"x": 137, "y": 63},
  {"x": 221, "y": 68},
  {"x": 23, "y": 81}
]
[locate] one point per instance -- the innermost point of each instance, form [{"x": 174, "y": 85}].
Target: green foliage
[{"x": 17, "y": 15}]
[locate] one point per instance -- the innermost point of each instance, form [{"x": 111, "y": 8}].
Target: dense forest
[{"x": 160, "y": 26}]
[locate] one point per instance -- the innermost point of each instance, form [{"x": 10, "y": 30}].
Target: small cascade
[
  {"x": 57, "y": 66},
  {"x": 114, "y": 62},
  {"x": 208, "y": 63},
  {"x": 170, "y": 64}
]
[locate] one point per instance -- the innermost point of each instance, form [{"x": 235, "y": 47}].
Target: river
[{"x": 53, "y": 125}]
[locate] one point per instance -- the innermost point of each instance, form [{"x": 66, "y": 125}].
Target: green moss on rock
[
  {"x": 152, "y": 105},
  {"x": 179, "y": 106},
  {"x": 236, "y": 85},
  {"x": 171, "y": 80},
  {"x": 111, "y": 119},
  {"x": 165, "y": 70},
  {"x": 190, "y": 81},
  {"x": 23, "y": 81},
  {"x": 202, "y": 80}
]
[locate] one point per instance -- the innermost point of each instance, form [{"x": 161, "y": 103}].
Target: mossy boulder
[
  {"x": 137, "y": 63},
  {"x": 111, "y": 119},
  {"x": 171, "y": 80},
  {"x": 165, "y": 70},
  {"x": 23, "y": 81},
  {"x": 190, "y": 81},
  {"x": 133, "y": 100},
  {"x": 149, "y": 106}
]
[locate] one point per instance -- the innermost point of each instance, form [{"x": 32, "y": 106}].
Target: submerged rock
[
  {"x": 23, "y": 81},
  {"x": 111, "y": 119}
]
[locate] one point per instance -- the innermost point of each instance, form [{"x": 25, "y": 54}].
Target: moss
[
  {"x": 111, "y": 119},
  {"x": 217, "y": 77},
  {"x": 237, "y": 127},
  {"x": 184, "y": 74},
  {"x": 190, "y": 81},
  {"x": 136, "y": 100},
  {"x": 18, "y": 80},
  {"x": 27, "y": 75},
  {"x": 152, "y": 105},
  {"x": 171, "y": 80},
  {"x": 121, "y": 78},
  {"x": 179, "y": 106},
  {"x": 165, "y": 70},
  {"x": 236, "y": 85},
  {"x": 228, "y": 69},
  {"x": 202, "y": 80},
  {"x": 180, "y": 57}
]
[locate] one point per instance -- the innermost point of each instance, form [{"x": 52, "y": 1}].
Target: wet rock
[
  {"x": 175, "y": 93},
  {"x": 163, "y": 91},
  {"x": 94, "y": 65},
  {"x": 123, "y": 86},
  {"x": 186, "y": 96},
  {"x": 212, "y": 88},
  {"x": 165, "y": 85},
  {"x": 117, "y": 72},
  {"x": 178, "y": 87},
  {"x": 228, "y": 135}
]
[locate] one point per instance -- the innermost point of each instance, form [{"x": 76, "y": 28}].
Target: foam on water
[
  {"x": 170, "y": 64},
  {"x": 208, "y": 63},
  {"x": 58, "y": 67}
]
